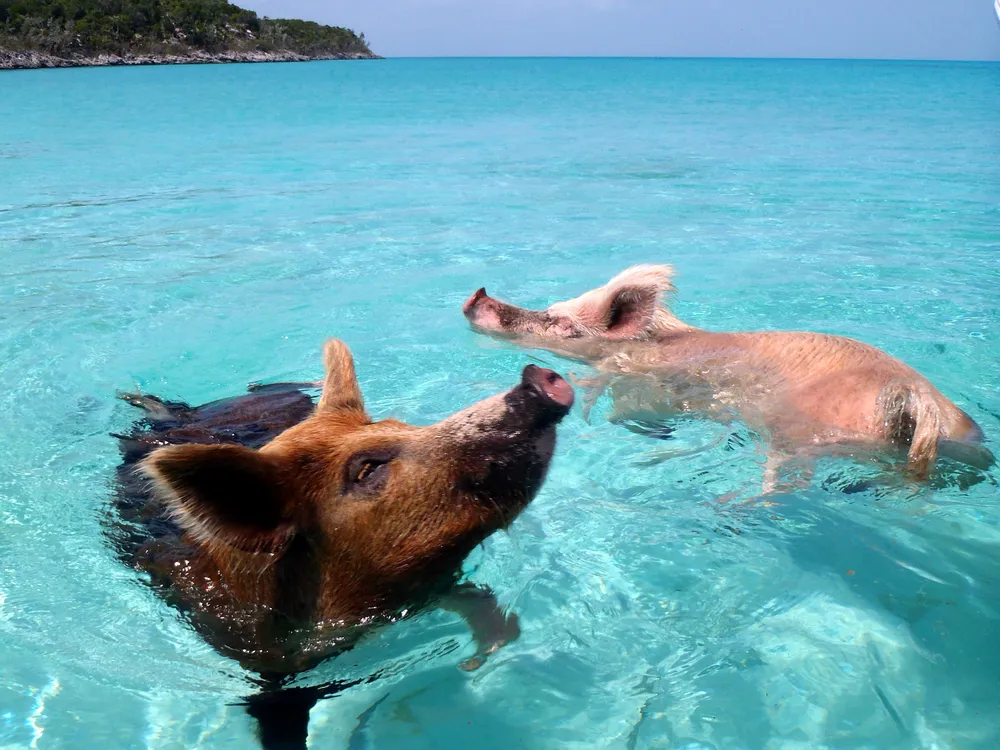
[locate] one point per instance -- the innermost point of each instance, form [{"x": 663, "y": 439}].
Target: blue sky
[{"x": 921, "y": 29}]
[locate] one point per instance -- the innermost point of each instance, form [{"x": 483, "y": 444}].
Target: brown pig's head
[
  {"x": 377, "y": 507},
  {"x": 629, "y": 307}
]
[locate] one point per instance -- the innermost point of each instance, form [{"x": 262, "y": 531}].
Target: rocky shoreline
[{"x": 29, "y": 59}]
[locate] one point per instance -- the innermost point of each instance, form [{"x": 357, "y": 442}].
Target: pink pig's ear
[
  {"x": 631, "y": 311},
  {"x": 634, "y": 298}
]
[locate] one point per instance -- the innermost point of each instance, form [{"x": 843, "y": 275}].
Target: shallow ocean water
[{"x": 189, "y": 230}]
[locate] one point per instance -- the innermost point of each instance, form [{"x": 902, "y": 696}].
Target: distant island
[{"x": 75, "y": 33}]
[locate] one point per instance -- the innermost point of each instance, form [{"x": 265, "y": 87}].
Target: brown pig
[
  {"x": 811, "y": 393},
  {"x": 285, "y": 529}
]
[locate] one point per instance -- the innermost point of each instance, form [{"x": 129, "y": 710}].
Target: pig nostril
[{"x": 549, "y": 384}]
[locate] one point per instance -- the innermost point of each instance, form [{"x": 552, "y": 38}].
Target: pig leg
[
  {"x": 283, "y": 716},
  {"x": 592, "y": 388},
  {"x": 491, "y": 626},
  {"x": 282, "y": 713},
  {"x": 783, "y": 473},
  {"x": 655, "y": 430}
]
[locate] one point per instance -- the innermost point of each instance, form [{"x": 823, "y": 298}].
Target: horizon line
[{"x": 695, "y": 57}]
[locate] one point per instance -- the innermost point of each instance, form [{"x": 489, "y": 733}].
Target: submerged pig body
[
  {"x": 801, "y": 389},
  {"x": 804, "y": 390},
  {"x": 284, "y": 528},
  {"x": 239, "y": 614}
]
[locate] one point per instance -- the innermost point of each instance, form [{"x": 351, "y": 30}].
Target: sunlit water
[{"x": 189, "y": 230}]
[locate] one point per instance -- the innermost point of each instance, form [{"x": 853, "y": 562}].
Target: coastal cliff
[{"x": 76, "y": 33}]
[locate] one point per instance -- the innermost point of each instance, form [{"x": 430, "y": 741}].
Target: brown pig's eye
[
  {"x": 366, "y": 469},
  {"x": 367, "y": 472}
]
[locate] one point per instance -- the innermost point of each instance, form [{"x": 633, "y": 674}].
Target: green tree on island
[{"x": 78, "y": 28}]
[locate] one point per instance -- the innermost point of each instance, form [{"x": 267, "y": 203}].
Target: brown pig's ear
[
  {"x": 340, "y": 385},
  {"x": 224, "y": 494},
  {"x": 632, "y": 310}
]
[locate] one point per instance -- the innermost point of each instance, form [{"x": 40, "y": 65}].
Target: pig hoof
[
  {"x": 475, "y": 662},
  {"x": 472, "y": 663},
  {"x": 495, "y": 647}
]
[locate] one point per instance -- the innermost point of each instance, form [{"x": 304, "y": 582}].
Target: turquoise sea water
[{"x": 189, "y": 230}]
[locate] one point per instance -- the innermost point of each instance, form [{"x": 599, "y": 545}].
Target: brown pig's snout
[{"x": 556, "y": 394}]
